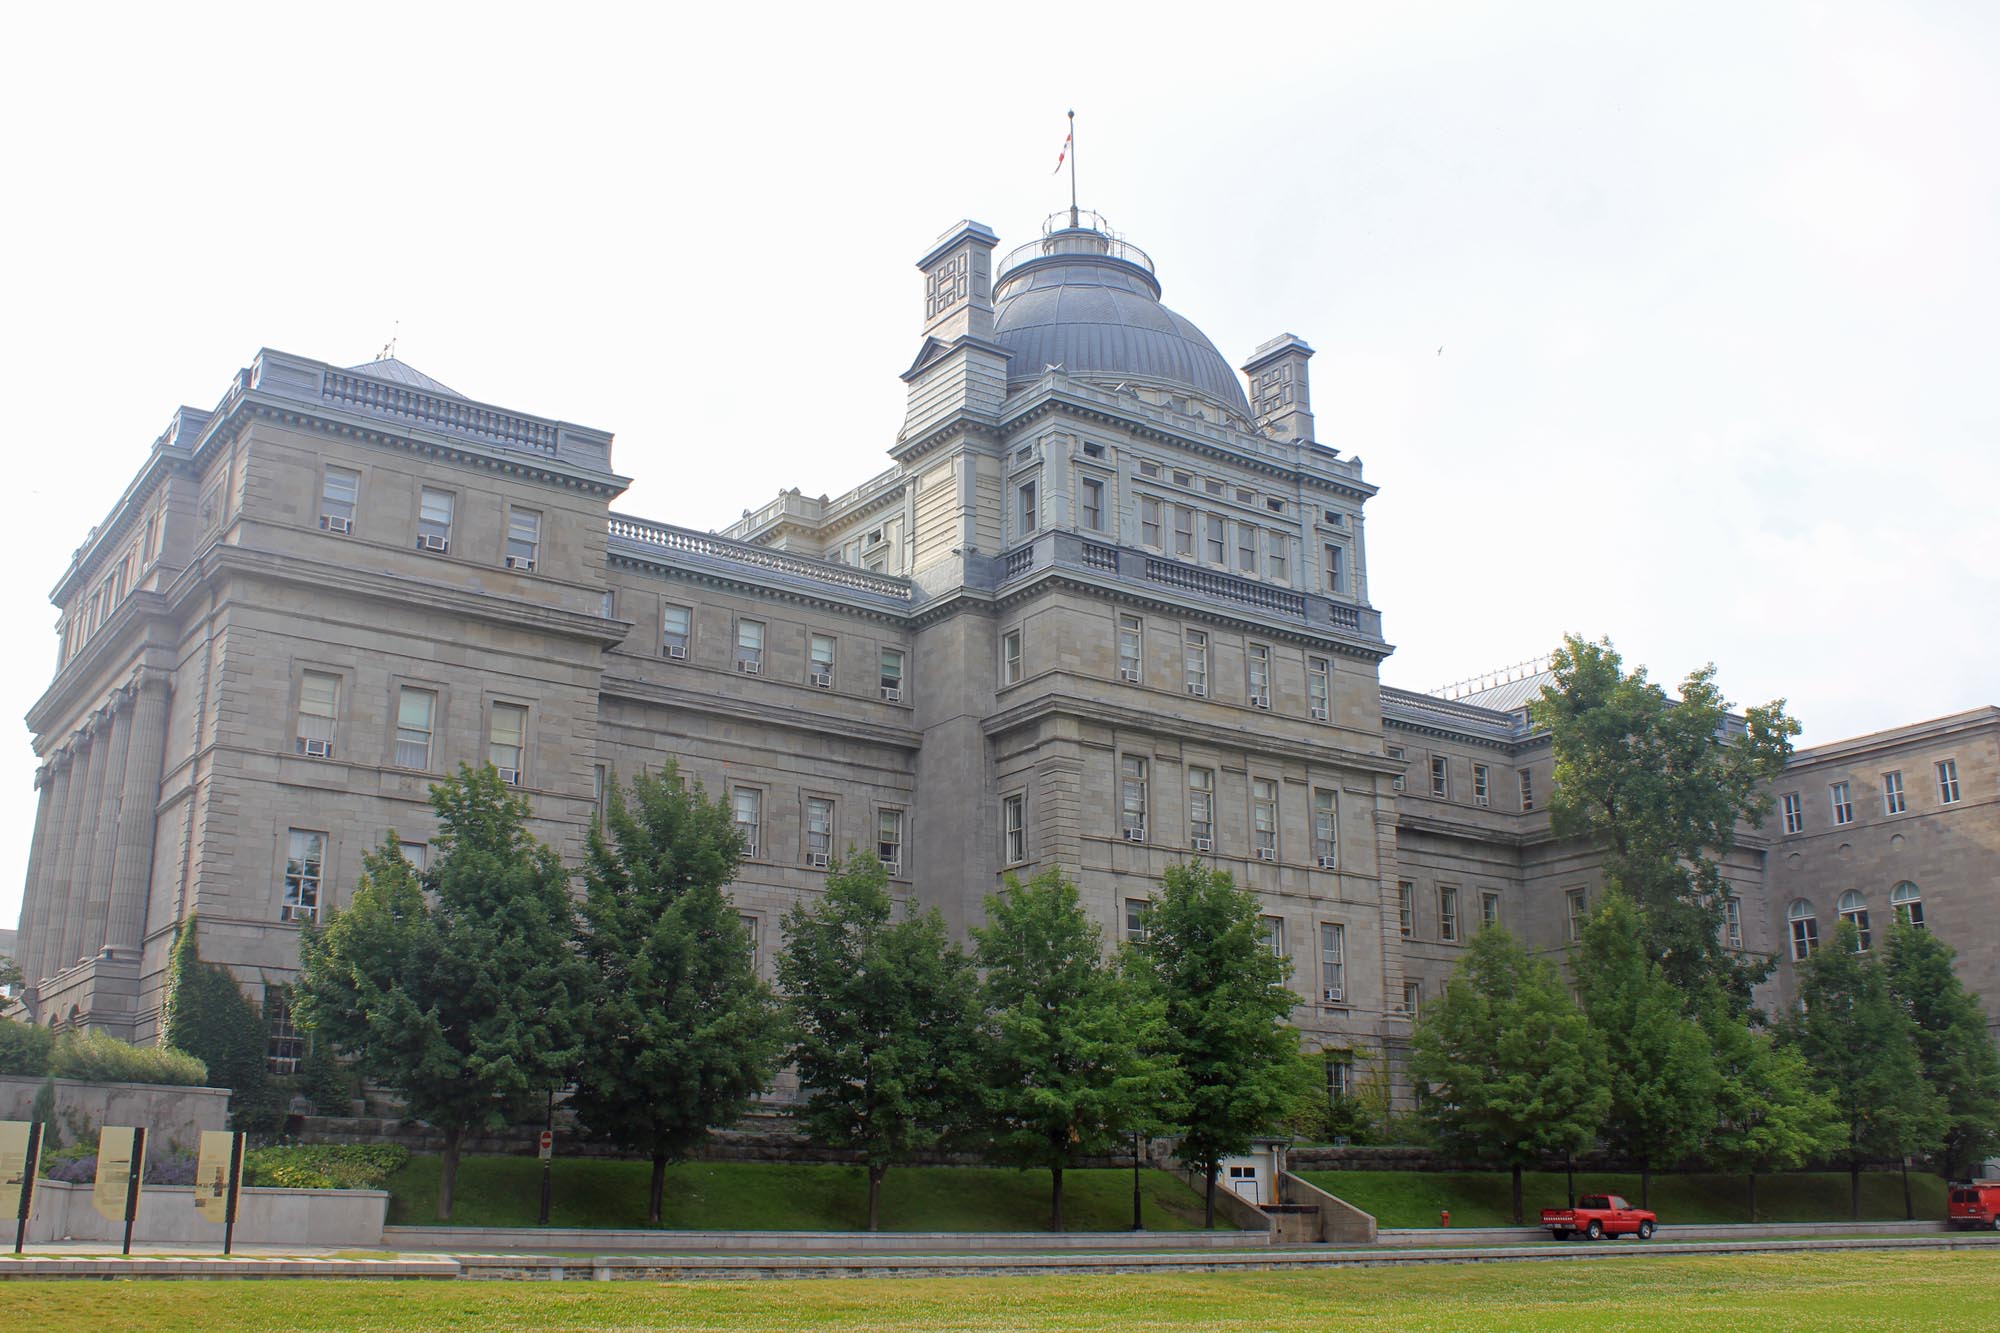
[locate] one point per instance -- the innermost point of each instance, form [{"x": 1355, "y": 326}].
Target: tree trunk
[
  {"x": 448, "y": 1171},
  {"x": 1208, "y": 1215},
  {"x": 1854, "y": 1188},
  {"x": 1517, "y": 1194},
  {"x": 1645, "y": 1182},
  {"x": 1055, "y": 1199},
  {"x": 1569, "y": 1174},
  {"x": 658, "y": 1194},
  {"x": 1909, "y": 1205},
  {"x": 876, "y": 1171},
  {"x": 1753, "y": 1196}
]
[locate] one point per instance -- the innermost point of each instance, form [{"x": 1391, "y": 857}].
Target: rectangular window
[
  {"x": 1278, "y": 560},
  {"x": 1396, "y": 753},
  {"x": 1132, "y": 798},
  {"x": 319, "y": 710},
  {"x": 676, "y": 631},
  {"x": 1326, "y": 828},
  {"x": 1947, "y": 771},
  {"x": 1135, "y": 919},
  {"x": 1805, "y": 937},
  {"x": 753, "y": 935},
  {"x": 1201, "y": 808},
  {"x": 1217, "y": 540},
  {"x": 1489, "y": 908},
  {"x": 1194, "y": 662},
  {"x": 416, "y": 723},
  {"x": 600, "y": 783},
  {"x": 1579, "y": 911},
  {"x": 1332, "y": 962},
  {"x": 1149, "y": 469},
  {"x": 1014, "y": 829},
  {"x": 284, "y": 1047},
  {"x": 1795, "y": 813},
  {"x": 434, "y": 520},
  {"x": 507, "y": 745},
  {"x": 1843, "y": 803},
  {"x": 1447, "y": 913},
  {"x": 819, "y": 831},
  {"x": 750, "y": 647},
  {"x": 1892, "y": 794},
  {"x": 1336, "y": 569},
  {"x": 891, "y": 674},
  {"x": 1149, "y": 522},
  {"x": 1440, "y": 776},
  {"x": 1482, "y": 785},
  {"x": 1732, "y": 925},
  {"x": 1010, "y": 657},
  {"x": 339, "y": 495},
  {"x": 820, "y": 650},
  {"x": 747, "y": 805},
  {"x": 1131, "y": 648},
  {"x": 1339, "y": 1076},
  {"x": 1264, "y": 818},
  {"x": 889, "y": 839},
  {"x": 1406, "y": 909},
  {"x": 1319, "y": 688},
  {"x": 1413, "y": 999},
  {"x": 1527, "y": 791},
  {"x": 1028, "y": 513},
  {"x": 524, "y": 539},
  {"x": 1246, "y": 547},
  {"x": 305, "y": 865},
  {"x": 1183, "y": 530},
  {"x": 1257, "y": 675},
  {"x": 1093, "y": 504},
  {"x": 1271, "y": 933}
]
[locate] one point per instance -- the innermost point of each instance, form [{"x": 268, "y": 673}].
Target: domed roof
[{"x": 1085, "y": 301}]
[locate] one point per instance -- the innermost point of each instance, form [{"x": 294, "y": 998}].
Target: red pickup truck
[
  {"x": 1975, "y": 1203},
  {"x": 1599, "y": 1215}
]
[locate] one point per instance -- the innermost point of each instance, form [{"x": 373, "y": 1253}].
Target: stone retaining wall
[
  {"x": 170, "y": 1115},
  {"x": 265, "y": 1216}
]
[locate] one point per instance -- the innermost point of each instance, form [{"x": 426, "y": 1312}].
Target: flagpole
[{"x": 1072, "y": 170}]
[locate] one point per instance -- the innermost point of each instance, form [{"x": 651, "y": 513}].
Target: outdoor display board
[
  {"x": 121, "y": 1172},
  {"x": 218, "y": 1175}
]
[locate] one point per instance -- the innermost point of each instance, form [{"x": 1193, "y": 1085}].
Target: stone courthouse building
[{"x": 1106, "y": 610}]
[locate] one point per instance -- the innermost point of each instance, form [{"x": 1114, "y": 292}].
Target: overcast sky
[{"x": 1673, "y": 323}]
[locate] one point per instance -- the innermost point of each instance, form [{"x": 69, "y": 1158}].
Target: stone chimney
[{"x": 1280, "y": 398}]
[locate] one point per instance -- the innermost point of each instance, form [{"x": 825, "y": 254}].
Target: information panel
[
  {"x": 117, "y": 1172},
  {"x": 17, "y": 1170},
  {"x": 215, "y": 1175}
]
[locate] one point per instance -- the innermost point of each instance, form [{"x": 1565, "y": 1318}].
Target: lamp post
[{"x": 1138, "y": 1223}]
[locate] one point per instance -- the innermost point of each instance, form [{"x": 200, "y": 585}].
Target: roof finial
[{"x": 388, "y": 352}]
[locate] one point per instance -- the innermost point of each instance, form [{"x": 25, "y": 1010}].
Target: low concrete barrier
[
  {"x": 590, "y": 1240},
  {"x": 1419, "y": 1237},
  {"x": 172, "y": 1115},
  {"x": 264, "y": 1216},
  {"x": 1340, "y": 1222}
]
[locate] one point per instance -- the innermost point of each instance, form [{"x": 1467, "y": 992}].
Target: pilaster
[
  {"x": 137, "y": 815},
  {"x": 104, "y": 842},
  {"x": 69, "y": 942}
]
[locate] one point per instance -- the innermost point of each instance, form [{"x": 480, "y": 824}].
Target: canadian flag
[{"x": 1060, "y": 157}]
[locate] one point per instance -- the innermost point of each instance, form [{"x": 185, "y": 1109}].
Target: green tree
[
  {"x": 1070, "y": 1043},
  {"x": 680, "y": 1034},
  {"x": 1658, "y": 786},
  {"x": 11, "y": 980},
  {"x": 210, "y": 1017},
  {"x": 1954, "y": 1046},
  {"x": 1768, "y": 1115},
  {"x": 1225, "y": 998},
  {"x": 467, "y": 1002},
  {"x": 1659, "y": 1061},
  {"x": 1508, "y": 1069},
  {"x": 883, "y": 1013},
  {"x": 1862, "y": 1049}
]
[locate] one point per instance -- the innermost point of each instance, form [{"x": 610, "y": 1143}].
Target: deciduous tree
[
  {"x": 1768, "y": 1115},
  {"x": 680, "y": 1034},
  {"x": 1954, "y": 1046},
  {"x": 1508, "y": 1069},
  {"x": 883, "y": 1013},
  {"x": 210, "y": 1017}
]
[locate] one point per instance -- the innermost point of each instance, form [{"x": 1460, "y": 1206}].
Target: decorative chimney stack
[
  {"x": 1280, "y": 398},
  {"x": 959, "y": 369}
]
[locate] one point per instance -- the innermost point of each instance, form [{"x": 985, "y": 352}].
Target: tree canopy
[
  {"x": 1954, "y": 1046},
  {"x": 680, "y": 1034},
  {"x": 1659, "y": 785},
  {"x": 1768, "y": 1115},
  {"x": 210, "y": 1017}
]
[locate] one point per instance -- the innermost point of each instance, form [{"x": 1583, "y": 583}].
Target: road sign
[{"x": 548, "y": 1144}]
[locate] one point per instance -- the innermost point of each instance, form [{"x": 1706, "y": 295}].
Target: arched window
[
  {"x": 1805, "y": 929},
  {"x": 1908, "y": 904},
  {"x": 1854, "y": 908}
]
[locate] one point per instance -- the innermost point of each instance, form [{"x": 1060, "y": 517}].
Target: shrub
[
  {"x": 99, "y": 1057},
  {"x": 325, "y": 1166},
  {"x": 24, "y": 1048},
  {"x": 77, "y": 1165},
  {"x": 211, "y": 1019}
]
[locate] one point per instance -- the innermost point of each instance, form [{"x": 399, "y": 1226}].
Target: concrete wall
[
  {"x": 169, "y": 1114},
  {"x": 167, "y": 1216}
]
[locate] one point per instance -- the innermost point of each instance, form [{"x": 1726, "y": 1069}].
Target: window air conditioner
[
  {"x": 432, "y": 542},
  {"x": 1260, "y": 701},
  {"x": 315, "y": 749},
  {"x": 823, "y": 679},
  {"x": 1319, "y": 714},
  {"x": 1482, "y": 800},
  {"x": 894, "y": 868},
  {"x": 1332, "y": 995},
  {"x": 1135, "y": 835},
  {"x": 293, "y": 912},
  {"x": 335, "y": 523},
  {"x": 1204, "y": 844},
  {"x": 521, "y": 562},
  {"x": 1267, "y": 853},
  {"x": 677, "y": 652},
  {"x": 511, "y": 776},
  {"x": 1129, "y": 674},
  {"x": 1328, "y": 863},
  {"x": 1198, "y": 691},
  {"x": 818, "y": 860},
  {"x": 748, "y": 667},
  {"x": 891, "y": 694}
]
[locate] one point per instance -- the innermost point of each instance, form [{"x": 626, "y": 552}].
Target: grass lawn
[
  {"x": 1484, "y": 1198},
  {"x": 1768, "y": 1293},
  {"x": 746, "y": 1196}
]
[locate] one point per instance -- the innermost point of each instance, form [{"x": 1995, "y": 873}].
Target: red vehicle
[
  {"x": 1599, "y": 1215},
  {"x": 1975, "y": 1203}
]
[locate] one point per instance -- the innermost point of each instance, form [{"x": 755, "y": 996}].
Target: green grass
[
  {"x": 744, "y": 1196},
  {"x": 1802, "y": 1293},
  {"x": 1484, "y": 1198}
]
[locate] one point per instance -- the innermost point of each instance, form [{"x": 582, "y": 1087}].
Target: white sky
[{"x": 1715, "y": 284}]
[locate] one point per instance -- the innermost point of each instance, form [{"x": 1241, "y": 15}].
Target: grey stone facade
[{"x": 1106, "y": 610}]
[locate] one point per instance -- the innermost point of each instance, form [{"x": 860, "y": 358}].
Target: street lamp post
[{"x": 1138, "y": 1223}]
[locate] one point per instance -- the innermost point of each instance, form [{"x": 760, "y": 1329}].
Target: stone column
[
  {"x": 104, "y": 841},
  {"x": 138, "y": 806},
  {"x": 89, "y": 790},
  {"x": 61, "y": 850},
  {"x": 31, "y": 891}
]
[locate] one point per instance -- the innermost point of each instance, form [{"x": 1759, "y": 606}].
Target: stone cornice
[
  {"x": 980, "y": 433},
  {"x": 797, "y": 719},
  {"x": 1926, "y": 733},
  {"x": 749, "y": 583},
  {"x": 125, "y": 631}
]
